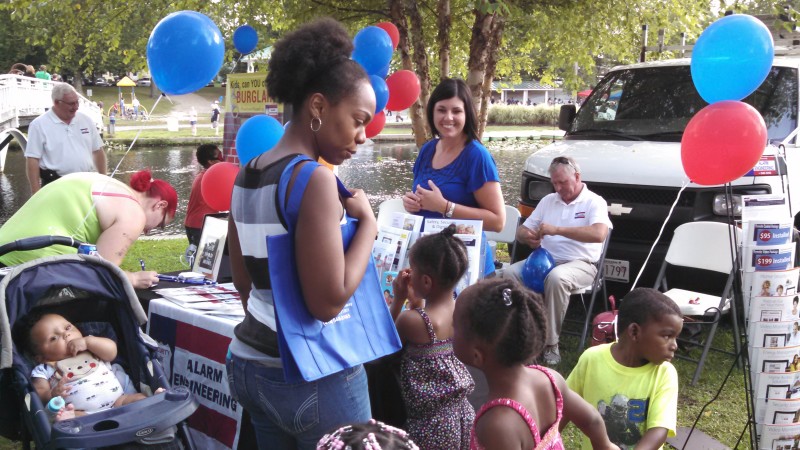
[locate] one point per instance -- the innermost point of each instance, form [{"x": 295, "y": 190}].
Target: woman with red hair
[{"x": 95, "y": 209}]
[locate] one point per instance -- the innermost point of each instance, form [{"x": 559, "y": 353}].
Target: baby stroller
[{"x": 90, "y": 292}]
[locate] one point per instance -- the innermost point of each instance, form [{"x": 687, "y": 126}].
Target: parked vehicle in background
[
  {"x": 143, "y": 81},
  {"x": 626, "y": 138},
  {"x": 101, "y": 82}
]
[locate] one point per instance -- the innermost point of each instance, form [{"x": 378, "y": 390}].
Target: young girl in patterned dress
[
  {"x": 499, "y": 326},
  {"x": 434, "y": 383}
]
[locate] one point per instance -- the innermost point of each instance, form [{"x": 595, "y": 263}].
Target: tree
[{"x": 478, "y": 40}]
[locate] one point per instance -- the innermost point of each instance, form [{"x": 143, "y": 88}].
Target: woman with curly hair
[{"x": 332, "y": 102}]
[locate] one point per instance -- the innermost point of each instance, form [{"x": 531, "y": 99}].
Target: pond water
[{"x": 383, "y": 171}]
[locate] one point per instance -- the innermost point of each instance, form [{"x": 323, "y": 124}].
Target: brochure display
[
  {"x": 394, "y": 242},
  {"x": 772, "y": 316}
]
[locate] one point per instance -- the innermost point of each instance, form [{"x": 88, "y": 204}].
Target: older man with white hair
[
  {"x": 571, "y": 224},
  {"x": 62, "y": 141}
]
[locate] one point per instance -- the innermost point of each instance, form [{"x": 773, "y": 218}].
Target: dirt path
[{"x": 184, "y": 104}]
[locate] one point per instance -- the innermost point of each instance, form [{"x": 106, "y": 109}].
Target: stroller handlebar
[{"x": 37, "y": 242}]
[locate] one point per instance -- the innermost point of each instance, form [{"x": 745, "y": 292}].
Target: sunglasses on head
[{"x": 564, "y": 161}]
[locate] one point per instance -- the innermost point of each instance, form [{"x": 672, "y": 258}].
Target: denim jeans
[{"x": 295, "y": 416}]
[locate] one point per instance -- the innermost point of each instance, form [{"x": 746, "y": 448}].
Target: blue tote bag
[{"x": 311, "y": 349}]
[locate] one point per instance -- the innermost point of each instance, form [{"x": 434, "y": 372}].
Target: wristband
[{"x": 451, "y": 208}]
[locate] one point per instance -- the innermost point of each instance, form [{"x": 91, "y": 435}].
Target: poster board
[{"x": 211, "y": 259}]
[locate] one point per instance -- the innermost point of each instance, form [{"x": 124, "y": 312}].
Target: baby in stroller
[
  {"x": 72, "y": 366},
  {"x": 96, "y": 296}
]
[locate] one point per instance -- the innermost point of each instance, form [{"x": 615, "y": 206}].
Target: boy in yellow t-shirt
[{"x": 632, "y": 382}]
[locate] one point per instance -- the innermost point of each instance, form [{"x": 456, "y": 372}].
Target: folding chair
[
  {"x": 708, "y": 246},
  {"x": 509, "y": 232},
  {"x": 386, "y": 208},
  {"x": 592, "y": 290}
]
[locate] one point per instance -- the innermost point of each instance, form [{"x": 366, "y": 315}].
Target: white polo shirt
[
  {"x": 587, "y": 209},
  {"x": 65, "y": 148}
]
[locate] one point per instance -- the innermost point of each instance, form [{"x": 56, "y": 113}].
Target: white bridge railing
[{"x": 26, "y": 98}]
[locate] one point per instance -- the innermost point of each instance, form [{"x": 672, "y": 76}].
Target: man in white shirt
[
  {"x": 571, "y": 224},
  {"x": 62, "y": 141},
  {"x": 135, "y": 103}
]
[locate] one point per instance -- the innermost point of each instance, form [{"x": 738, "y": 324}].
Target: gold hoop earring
[{"x": 319, "y": 121}]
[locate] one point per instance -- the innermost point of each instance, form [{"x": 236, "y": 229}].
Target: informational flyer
[
  {"x": 470, "y": 232},
  {"x": 774, "y": 334},
  {"x": 759, "y": 286}
]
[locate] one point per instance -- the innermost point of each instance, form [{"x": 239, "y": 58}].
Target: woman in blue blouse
[{"x": 454, "y": 174}]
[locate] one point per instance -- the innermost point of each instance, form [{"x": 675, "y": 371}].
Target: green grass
[
  {"x": 109, "y": 95},
  {"x": 184, "y": 131},
  {"x": 723, "y": 420}
]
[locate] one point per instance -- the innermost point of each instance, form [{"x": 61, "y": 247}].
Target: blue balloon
[
  {"x": 373, "y": 49},
  {"x": 245, "y": 39},
  {"x": 184, "y": 52},
  {"x": 257, "y": 135},
  {"x": 381, "y": 92},
  {"x": 383, "y": 73},
  {"x": 539, "y": 263},
  {"x": 731, "y": 58}
]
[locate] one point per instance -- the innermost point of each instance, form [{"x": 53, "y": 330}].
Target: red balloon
[
  {"x": 375, "y": 126},
  {"x": 394, "y": 33},
  {"x": 403, "y": 90},
  {"x": 216, "y": 186},
  {"x": 722, "y": 142}
]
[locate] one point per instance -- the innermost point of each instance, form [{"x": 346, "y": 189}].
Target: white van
[{"x": 626, "y": 138}]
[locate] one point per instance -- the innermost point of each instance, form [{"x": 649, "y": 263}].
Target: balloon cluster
[
  {"x": 373, "y": 47},
  {"x": 184, "y": 52},
  {"x": 730, "y": 60}
]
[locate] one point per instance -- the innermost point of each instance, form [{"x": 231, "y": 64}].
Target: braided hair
[
  {"x": 373, "y": 435},
  {"x": 442, "y": 256},
  {"x": 509, "y": 317}
]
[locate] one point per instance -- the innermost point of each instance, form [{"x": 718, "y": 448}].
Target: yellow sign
[
  {"x": 247, "y": 93},
  {"x": 246, "y": 96}
]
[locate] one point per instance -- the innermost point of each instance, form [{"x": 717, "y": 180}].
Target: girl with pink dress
[{"x": 499, "y": 327}]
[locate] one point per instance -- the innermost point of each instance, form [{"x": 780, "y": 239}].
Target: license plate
[{"x": 617, "y": 270}]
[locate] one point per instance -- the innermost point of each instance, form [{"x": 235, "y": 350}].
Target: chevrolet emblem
[{"x": 616, "y": 209}]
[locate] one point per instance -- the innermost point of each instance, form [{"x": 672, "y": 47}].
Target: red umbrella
[{"x": 584, "y": 93}]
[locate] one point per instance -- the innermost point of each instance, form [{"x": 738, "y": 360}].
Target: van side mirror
[{"x": 566, "y": 116}]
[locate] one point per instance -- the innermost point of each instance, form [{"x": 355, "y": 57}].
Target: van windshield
[{"x": 656, "y": 103}]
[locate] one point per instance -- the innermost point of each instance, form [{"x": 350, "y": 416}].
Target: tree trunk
[
  {"x": 491, "y": 64},
  {"x": 397, "y": 12},
  {"x": 398, "y": 17},
  {"x": 420, "y": 58},
  {"x": 77, "y": 81},
  {"x": 478, "y": 49},
  {"x": 444, "y": 21}
]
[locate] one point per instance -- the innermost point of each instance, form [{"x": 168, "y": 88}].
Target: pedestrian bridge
[{"x": 23, "y": 99}]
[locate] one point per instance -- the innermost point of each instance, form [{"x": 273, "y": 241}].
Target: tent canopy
[{"x": 126, "y": 82}]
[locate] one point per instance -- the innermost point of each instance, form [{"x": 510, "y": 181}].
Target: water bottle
[
  {"x": 54, "y": 406},
  {"x": 190, "y": 253}
]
